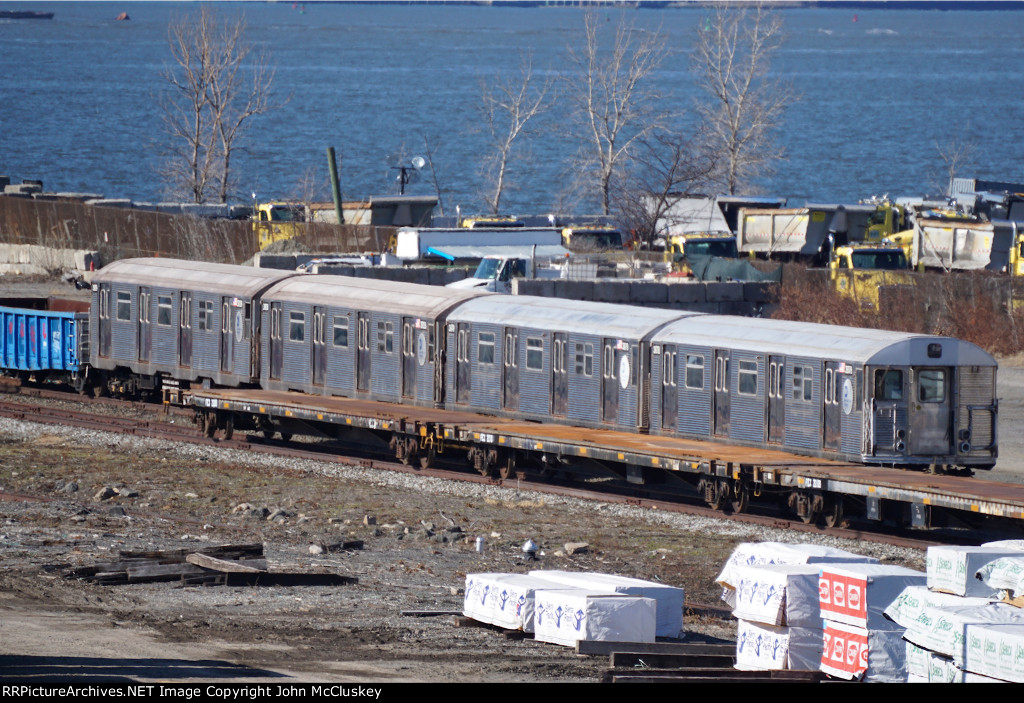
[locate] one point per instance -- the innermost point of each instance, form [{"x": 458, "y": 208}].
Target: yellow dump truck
[
  {"x": 860, "y": 271},
  {"x": 279, "y": 220}
]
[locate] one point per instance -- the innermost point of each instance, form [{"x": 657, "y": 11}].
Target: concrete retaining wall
[
  {"x": 29, "y": 259},
  {"x": 731, "y": 298}
]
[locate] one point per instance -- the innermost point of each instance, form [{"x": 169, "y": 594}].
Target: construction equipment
[{"x": 279, "y": 220}]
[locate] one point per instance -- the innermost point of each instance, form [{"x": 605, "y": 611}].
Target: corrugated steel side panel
[
  {"x": 803, "y": 419},
  {"x": 534, "y": 384},
  {"x": 976, "y": 388},
  {"x": 695, "y": 403},
  {"x": 341, "y": 361},
  {"x": 485, "y": 383},
  {"x": 386, "y": 379},
  {"x": 124, "y": 337},
  {"x": 853, "y": 424},
  {"x": 584, "y": 390},
  {"x": 296, "y": 370},
  {"x": 885, "y": 428},
  {"x": 36, "y": 340},
  {"x": 164, "y": 350},
  {"x": 747, "y": 412},
  {"x": 654, "y": 397}
]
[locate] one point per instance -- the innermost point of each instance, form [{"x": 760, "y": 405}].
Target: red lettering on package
[
  {"x": 848, "y": 652},
  {"x": 843, "y": 597}
]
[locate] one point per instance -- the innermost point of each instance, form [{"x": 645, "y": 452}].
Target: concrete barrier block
[
  {"x": 742, "y": 308},
  {"x": 281, "y": 262},
  {"x": 644, "y": 292},
  {"x": 761, "y": 291},
  {"x": 612, "y": 291},
  {"x": 86, "y": 260},
  {"x": 575, "y": 290},
  {"x": 723, "y": 292},
  {"x": 708, "y": 308},
  {"x": 685, "y": 293},
  {"x": 540, "y": 287},
  {"x": 335, "y": 270}
]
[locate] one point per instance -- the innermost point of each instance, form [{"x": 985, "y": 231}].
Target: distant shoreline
[{"x": 945, "y": 5}]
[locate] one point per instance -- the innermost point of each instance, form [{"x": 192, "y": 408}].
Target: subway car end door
[{"x": 931, "y": 412}]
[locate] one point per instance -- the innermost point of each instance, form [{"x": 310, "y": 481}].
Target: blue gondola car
[{"x": 40, "y": 342}]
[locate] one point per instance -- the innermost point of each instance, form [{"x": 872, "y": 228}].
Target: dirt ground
[{"x": 419, "y": 543}]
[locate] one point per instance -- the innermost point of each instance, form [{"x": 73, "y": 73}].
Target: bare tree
[
  {"x": 185, "y": 108},
  {"x": 955, "y": 154},
  {"x": 508, "y": 107},
  {"x": 666, "y": 167},
  {"x": 743, "y": 105},
  {"x": 217, "y": 85},
  {"x": 615, "y": 102}
]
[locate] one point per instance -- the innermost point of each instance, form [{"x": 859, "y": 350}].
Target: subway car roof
[
  {"x": 805, "y": 339},
  {"x": 223, "y": 279},
  {"x": 368, "y": 293},
  {"x": 558, "y": 314}
]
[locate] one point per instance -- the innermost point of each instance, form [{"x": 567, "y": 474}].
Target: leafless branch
[
  {"x": 508, "y": 107},
  {"x": 217, "y": 85},
  {"x": 615, "y": 101},
  {"x": 743, "y": 104}
]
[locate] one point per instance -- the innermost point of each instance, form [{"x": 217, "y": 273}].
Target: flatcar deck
[{"x": 757, "y": 466}]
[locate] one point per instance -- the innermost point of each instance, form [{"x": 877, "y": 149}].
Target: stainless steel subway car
[
  {"x": 865, "y": 395},
  {"x": 158, "y": 320},
  {"x": 860, "y": 395},
  {"x": 357, "y": 337},
  {"x": 568, "y": 361}
]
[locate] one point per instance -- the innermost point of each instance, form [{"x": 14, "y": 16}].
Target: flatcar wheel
[
  {"x": 740, "y": 498},
  {"x": 209, "y": 425},
  {"x": 286, "y": 436},
  {"x": 229, "y": 427},
  {"x": 507, "y": 466},
  {"x": 833, "y": 513},
  {"x": 427, "y": 458},
  {"x": 268, "y": 434},
  {"x": 715, "y": 494}
]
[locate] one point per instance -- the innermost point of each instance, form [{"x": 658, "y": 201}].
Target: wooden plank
[
  {"x": 714, "y": 675},
  {"x": 170, "y": 572},
  {"x": 604, "y": 648},
  {"x": 655, "y": 660},
  {"x": 248, "y": 566},
  {"x": 227, "y": 551}
]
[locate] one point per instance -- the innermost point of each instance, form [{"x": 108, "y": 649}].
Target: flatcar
[{"x": 867, "y": 396}]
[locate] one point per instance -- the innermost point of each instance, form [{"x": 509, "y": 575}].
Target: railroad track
[{"x": 175, "y": 424}]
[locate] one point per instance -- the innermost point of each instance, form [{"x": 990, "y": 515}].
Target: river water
[{"x": 881, "y": 91}]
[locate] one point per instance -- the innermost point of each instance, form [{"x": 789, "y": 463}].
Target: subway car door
[
  {"x": 669, "y": 388},
  {"x": 930, "y": 412},
  {"x": 832, "y": 413},
  {"x": 510, "y": 370},
  {"x": 363, "y": 351},
  {"x": 559, "y": 375},
  {"x": 776, "y": 400},
  {"x": 276, "y": 350},
  {"x": 185, "y": 329},
  {"x": 462, "y": 365},
  {"x": 145, "y": 328},
  {"x": 227, "y": 348},
  {"x": 103, "y": 333},
  {"x": 408, "y": 357},
  {"x": 318, "y": 361},
  {"x": 609, "y": 383},
  {"x": 721, "y": 396}
]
